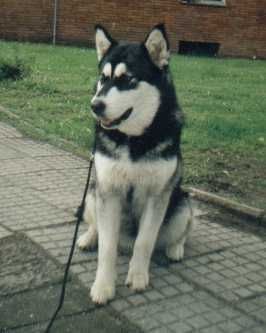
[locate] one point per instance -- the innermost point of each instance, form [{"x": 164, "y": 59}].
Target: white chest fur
[{"x": 120, "y": 173}]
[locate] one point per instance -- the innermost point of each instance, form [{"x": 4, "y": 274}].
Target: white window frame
[{"x": 220, "y": 3}]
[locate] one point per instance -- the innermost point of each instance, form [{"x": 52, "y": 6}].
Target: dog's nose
[{"x": 98, "y": 107}]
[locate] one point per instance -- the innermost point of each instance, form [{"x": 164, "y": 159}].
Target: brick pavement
[{"x": 220, "y": 286}]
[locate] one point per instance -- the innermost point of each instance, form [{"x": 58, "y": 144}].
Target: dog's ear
[
  {"x": 157, "y": 45},
  {"x": 103, "y": 41}
]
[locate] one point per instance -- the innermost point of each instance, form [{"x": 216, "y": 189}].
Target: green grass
[
  {"x": 56, "y": 96},
  {"x": 224, "y": 100}
]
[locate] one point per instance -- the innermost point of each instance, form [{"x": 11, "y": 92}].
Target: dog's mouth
[{"x": 109, "y": 124}]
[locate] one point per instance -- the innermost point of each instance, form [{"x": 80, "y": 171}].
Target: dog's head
[{"x": 128, "y": 90}]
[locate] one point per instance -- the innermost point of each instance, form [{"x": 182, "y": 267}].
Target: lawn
[{"x": 224, "y": 100}]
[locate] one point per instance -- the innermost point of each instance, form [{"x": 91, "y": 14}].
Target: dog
[{"x": 137, "y": 168}]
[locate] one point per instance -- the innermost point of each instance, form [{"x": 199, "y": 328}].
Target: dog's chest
[{"x": 122, "y": 172}]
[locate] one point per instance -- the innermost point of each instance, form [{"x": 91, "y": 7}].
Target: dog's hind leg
[
  {"x": 177, "y": 230},
  {"x": 88, "y": 240},
  {"x": 176, "y": 251}
]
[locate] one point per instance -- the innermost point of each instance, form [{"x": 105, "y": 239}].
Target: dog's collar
[{"x": 119, "y": 120}]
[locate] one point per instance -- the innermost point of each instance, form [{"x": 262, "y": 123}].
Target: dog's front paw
[
  {"x": 88, "y": 240},
  {"x": 102, "y": 292},
  {"x": 175, "y": 252},
  {"x": 137, "y": 280}
]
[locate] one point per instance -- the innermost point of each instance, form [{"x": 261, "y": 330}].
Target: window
[
  {"x": 205, "y": 2},
  {"x": 198, "y": 48}
]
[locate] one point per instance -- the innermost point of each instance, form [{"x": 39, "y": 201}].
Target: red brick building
[{"x": 234, "y": 27}]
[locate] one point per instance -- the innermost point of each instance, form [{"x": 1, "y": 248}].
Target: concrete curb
[{"x": 259, "y": 215}]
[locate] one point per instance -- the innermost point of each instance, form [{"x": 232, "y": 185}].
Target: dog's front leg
[
  {"x": 154, "y": 212},
  {"x": 108, "y": 212}
]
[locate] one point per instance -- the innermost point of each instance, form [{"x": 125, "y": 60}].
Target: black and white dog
[{"x": 137, "y": 166}]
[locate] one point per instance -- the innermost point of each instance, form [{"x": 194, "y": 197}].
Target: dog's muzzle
[{"x": 109, "y": 124}]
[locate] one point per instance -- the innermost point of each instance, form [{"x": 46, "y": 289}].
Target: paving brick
[
  {"x": 148, "y": 325},
  {"x": 191, "y": 262},
  {"x": 120, "y": 305},
  {"x": 162, "y": 330},
  {"x": 137, "y": 299},
  {"x": 229, "y": 313},
  {"x": 187, "y": 299},
  {"x": 180, "y": 327},
  {"x": 165, "y": 318},
  {"x": 8, "y": 152},
  {"x": 172, "y": 279},
  {"x": 199, "y": 307},
  {"x": 212, "y": 329},
  {"x": 183, "y": 312},
  {"x": 261, "y": 313},
  {"x": 124, "y": 291},
  {"x": 249, "y": 306},
  {"x": 243, "y": 281},
  {"x": 214, "y": 317},
  {"x": 154, "y": 295},
  {"x": 135, "y": 313},
  {"x": 254, "y": 277},
  {"x": 202, "y": 269},
  {"x": 229, "y": 296},
  {"x": 214, "y": 276},
  {"x": 169, "y": 291},
  {"x": 230, "y": 326},
  {"x": 198, "y": 322},
  {"x": 256, "y": 288},
  {"x": 185, "y": 287},
  {"x": 229, "y": 284},
  {"x": 245, "y": 322},
  {"x": 87, "y": 279},
  {"x": 257, "y": 329},
  {"x": 77, "y": 269},
  {"x": 243, "y": 292},
  {"x": 158, "y": 283}
]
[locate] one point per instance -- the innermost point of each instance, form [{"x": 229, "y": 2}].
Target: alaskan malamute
[{"x": 137, "y": 166}]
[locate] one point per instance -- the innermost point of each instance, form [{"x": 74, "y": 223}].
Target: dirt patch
[
  {"x": 24, "y": 265},
  {"x": 236, "y": 176}
]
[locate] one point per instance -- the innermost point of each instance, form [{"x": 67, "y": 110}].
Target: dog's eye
[
  {"x": 104, "y": 78},
  {"x": 128, "y": 79},
  {"x": 133, "y": 80}
]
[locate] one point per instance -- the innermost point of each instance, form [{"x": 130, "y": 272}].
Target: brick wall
[
  {"x": 240, "y": 27},
  {"x": 26, "y": 20}
]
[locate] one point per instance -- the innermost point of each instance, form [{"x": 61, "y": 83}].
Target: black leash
[{"x": 79, "y": 216}]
